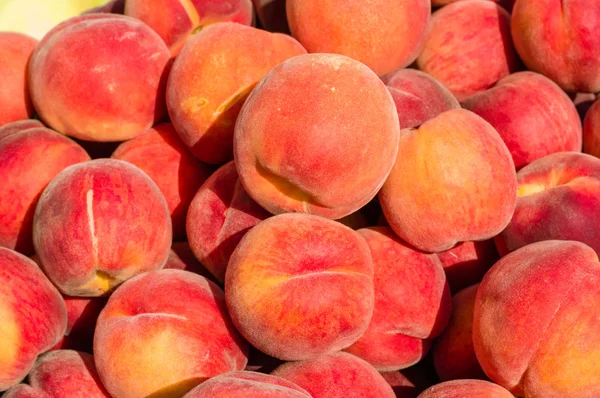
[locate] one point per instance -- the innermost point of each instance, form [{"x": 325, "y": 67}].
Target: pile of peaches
[{"x": 302, "y": 198}]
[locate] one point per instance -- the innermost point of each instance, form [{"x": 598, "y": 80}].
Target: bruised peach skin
[
  {"x": 29, "y": 160},
  {"x": 466, "y": 263},
  {"x": 532, "y": 114},
  {"x": 327, "y": 153},
  {"x": 18, "y": 126},
  {"x": 212, "y": 77},
  {"x": 559, "y": 40},
  {"x": 299, "y": 286},
  {"x": 176, "y": 21},
  {"x": 591, "y": 130},
  {"x": 466, "y": 388},
  {"x": 454, "y": 181},
  {"x": 468, "y": 47},
  {"x": 63, "y": 373},
  {"x": 385, "y": 35},
  {"x": 336, "y": 375},
  {"x": 33, "y": 313},
  {"x": 412, "y": 303},
  {"x": 536, "y": 328},
  {"x": 15, "y": 50},
  {"x": 115, "y": 93},
  {"x": 178, "y": 174},
  {"x": 118, "y": 226},
  {"x": 219, "y": 216},
  {"x": 453, "y": 352},
  {"x": 559, "y": 198},
  {"x": 248, "y": 385},
  {"x": 418, "y": 96},
  {"x": 164, "y": 332}
]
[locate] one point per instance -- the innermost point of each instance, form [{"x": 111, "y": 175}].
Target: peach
[
  {"x": 118, "y": 226},
  {"x": 466, "y": 388},
  {"x": 336, "y": 375},
  {"x": 536, "y": 327},
  {"x": 176, "y": 21},
  {"x": 385, "y": 35},
  {"x": 82, "y": 314},
  {"x": 15, "y": 103},
  {"x": 33, "y": 313},
  {"x": 557, "y": 39},
  {"x": 466, "y": 263},
  {"x": 18, "y": 126},
  {"x": 299, "y": 286},
  {"x": 211, "y": 79},
  {"x": 178, "y": 174},
  {"x": 454, "y": 181},
  {"x": 219, "y": 216},
  {"x": 248, "y": 385},
  {"x": 164, "y": 332},
  {"x": 591, "y": 130},
  {"x": 115, "y": 93},
  {"x": 558, "y": 198},
  {"x": 418, "y": 97},
  {"x": 182, "y": 257},
  {"x": 412, "y": 303},
  {"x": 29, "y": 160},
  {"x": 453, "y": 352},
  {"x": 271, "y": 15},
  {"x": 468, "y": 47},
  {"x": 532, "y": 114},
  {"x": 63, "y": 373},
  {"x": 327, "y": 153}
]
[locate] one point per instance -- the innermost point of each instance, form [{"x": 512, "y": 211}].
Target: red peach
[
  {"x": 18, "y": 126},
  {"x": 466, "y": 388}
]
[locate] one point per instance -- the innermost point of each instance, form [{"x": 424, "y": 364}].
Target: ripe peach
[
  {"x": 299, "y": 286},
  {"x": 118, "y": 226},
  {"x": 326, "y": 153},
  {"x": 454, "y": 181},
  {"x": 235, "y": 57},
  {"x": 466, "y": 388},
  {"x": 178, "y": 174},
  {"x": 18, "y": 126},
  {"x": 164, "y": 332},
  {"x": 385, "y": 35}
]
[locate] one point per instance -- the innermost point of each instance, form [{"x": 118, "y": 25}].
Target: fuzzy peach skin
[
  {"x": 115, "y": 93},
  {"x": 466, "y": 263},
  {"x": 15, "y": 50},
  {"x": 176, "y": 21},
  {"x": 219, "y": 216},
  {"x": 591, "y": 130},
  {"x": 536, "y": 324},
  {"x": 18, "y": 126},
  {"x": 385, "y": 35},
  {"x": 468, "y": 47},
  {"x": 454, "y": 181},
  {"x": 453, "y": 352},
  {"x": 98, "y": 224},
  {"x": 299, "y": 286},
  {"x": 559, "y": 198},
  {"x": 82, "y": 314},
  {"x": 164, "y": 332},
  {"x": 182, "y": 257},
  {"x": 29, "y": 160},
  {"x": 211, "y": 79},
  {"x": 63, "y": 373},
  {"x": 412, "y": 303},
  {"x": 160, "y": 153},
  {"x": 466, "y": 388},
  {"x": 558, "y": 39},
  {"x": 271, "y": 15},
  {"x": 336, "y": 375},
  {"x": 418, "y": 96},
  {"x": 327, "y": 153},
  {"x": 33, "y": 313},
  {"x": 248, "y": 385},
  {"x": 532, "y": 114}
]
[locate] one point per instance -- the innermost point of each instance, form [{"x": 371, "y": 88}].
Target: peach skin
[
  {"x": 327, "y": 153},
  {"x": 299, "y": 286},
  {"x": 164, "y": 332},
  {"x": 454, "y": 181},
  {"x": 466, "y": 388},
  {"x": 118, "y": 226},
  {"x": 18, "y": 126}
]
